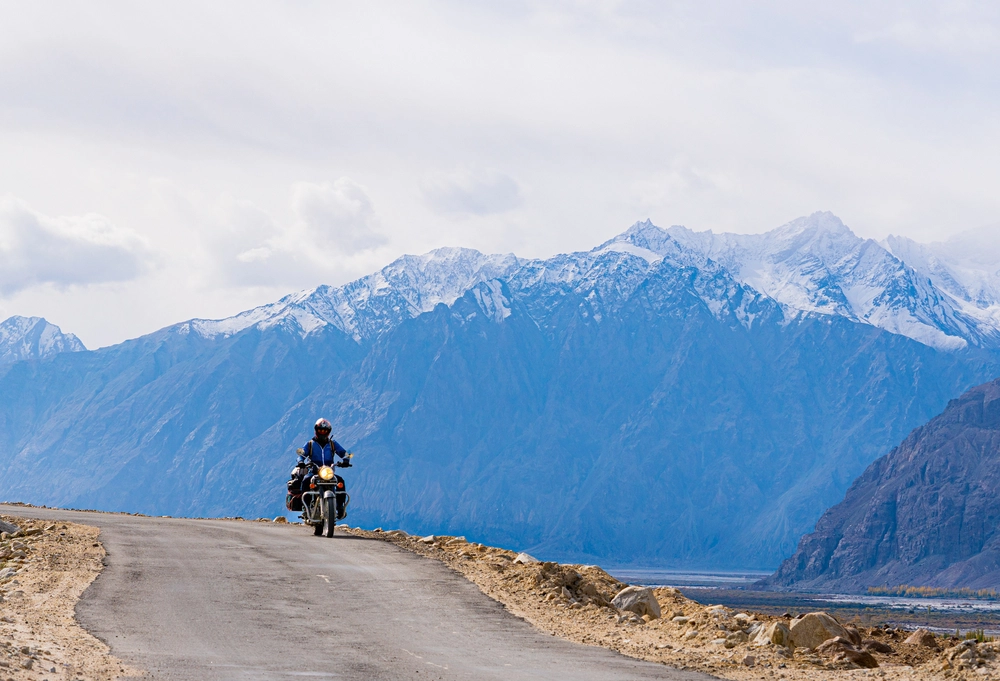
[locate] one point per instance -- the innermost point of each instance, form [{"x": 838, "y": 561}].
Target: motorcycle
[{"x": 324, "y": 496}]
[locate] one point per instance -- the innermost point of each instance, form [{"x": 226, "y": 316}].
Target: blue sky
[{"x": 163, "y": 161}]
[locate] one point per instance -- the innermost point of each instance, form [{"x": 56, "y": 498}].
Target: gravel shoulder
[
  {"x": 574, "y": 602},
  {"x": 44, "y": 568}
]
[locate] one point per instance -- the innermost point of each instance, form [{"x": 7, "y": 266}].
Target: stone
[
  {"x": 8, "y": 528},
  {"x": 873, "y": 646},
  {"x": 429, "y": 539},
  {"x": 841, "y": 648},
  {"x": 8, "y": 572},
  {"x": 524, "y": 559},
  {"x": 749, "y": 661},
  {"x": 810, "y": 631},
  {"x": 854, "y": 635},
  {"x": 680, "y": 620},
  {"x": 736, "y": 638},
  {"x": 774, "y": 634},
  {"x": 280, "y": 519},
  {"x": 637, "y": 599},
  {"x": 922, "y": 637}
]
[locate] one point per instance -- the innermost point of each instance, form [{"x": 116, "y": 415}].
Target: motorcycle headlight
[{"x": 326, "y": 473}]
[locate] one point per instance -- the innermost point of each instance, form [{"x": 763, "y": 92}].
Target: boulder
[
  {"x": 841, "y": 648},
  {"x": 774, "y": 634},
  {"x": 922, "y": 637},
  {"x": 637, "y": 599},
  {"x": 280, "y": 519},
  {"x": 8, "y": 572},
  {"x": 736, "y": 638},
  {"x": 809, "y": 631},
  {"x": 873, "y": 646},
  {"x": 429, "y": 539},
  {"x": 524, "y": 559},
  {"x": 9, "y": 528}
]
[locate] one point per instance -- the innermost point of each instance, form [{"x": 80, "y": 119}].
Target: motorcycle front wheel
[
  {"x": 329, "y": 515},
  {"x": 317, "y": 513}
]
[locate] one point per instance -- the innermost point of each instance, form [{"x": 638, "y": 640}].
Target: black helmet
[{"x": 322, "y": 425}]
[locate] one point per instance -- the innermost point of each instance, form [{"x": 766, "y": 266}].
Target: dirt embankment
[
  {"x": 44, "y": 568},
  {"x": 574, "y": 602}
]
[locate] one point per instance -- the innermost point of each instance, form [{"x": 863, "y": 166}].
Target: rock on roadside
[
  {"x": 774, "y": 634},
  {"x": 922, "y": 637},
  {"x": 637, "y": 599},
  {"x": 810, "y": 631}
]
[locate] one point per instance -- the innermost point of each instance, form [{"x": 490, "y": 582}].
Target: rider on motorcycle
[{"x": 320, "y": 451}]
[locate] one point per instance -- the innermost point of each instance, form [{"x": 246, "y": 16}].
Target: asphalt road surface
[{"x": 215, "y": 599}]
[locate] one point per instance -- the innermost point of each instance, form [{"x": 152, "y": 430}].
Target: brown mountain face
[{"x": 925, "y": 514}]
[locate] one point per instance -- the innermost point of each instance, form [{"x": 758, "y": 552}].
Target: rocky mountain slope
[
  {"x": 24, "y": 338},
  {"x": 926, "y": 514},
  {"x": 644, "y": 399}
]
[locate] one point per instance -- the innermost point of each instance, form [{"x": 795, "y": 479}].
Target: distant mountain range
[
  {"x": 672, "y": 397},
  {"x": 925, "y": 514}
]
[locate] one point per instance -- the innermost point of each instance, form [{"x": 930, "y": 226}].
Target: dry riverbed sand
[
  {"x": 574, "y": 602},
  {"x": 43, "y": 570}
]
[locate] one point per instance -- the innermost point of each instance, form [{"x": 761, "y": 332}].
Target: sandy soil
[
  {"x": 39, "y": 637},
  {"x": 573, "y": 602}
]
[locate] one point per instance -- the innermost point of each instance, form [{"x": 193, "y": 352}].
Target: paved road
[{"x": 214, "y": 599}]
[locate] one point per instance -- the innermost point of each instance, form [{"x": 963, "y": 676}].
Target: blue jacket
[{"x": 322, "y": 455}]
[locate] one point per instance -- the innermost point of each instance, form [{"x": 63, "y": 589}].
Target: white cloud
[
  {"x": 337, "y": 217},
  {"x": 36, "y": 249},
  {"x": 480, "y": 192},
  {"x": 330, "y": 228}
]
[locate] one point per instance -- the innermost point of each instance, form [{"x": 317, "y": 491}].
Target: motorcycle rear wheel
[{"x": 329, "y": 515}]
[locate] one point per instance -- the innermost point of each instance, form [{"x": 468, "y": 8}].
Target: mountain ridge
[
  {"x": 925, "y": 514},
  {"x": 813, "y": 264}
]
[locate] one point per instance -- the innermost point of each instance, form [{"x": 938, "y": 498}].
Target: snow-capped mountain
[
  {"x": 33, "y": 338},
  {"x": 817, "y": 264},
  {"x": 946, "y": 296},
  {"x": 372, "y": 305},
  {"x": 966, "y": 268}
]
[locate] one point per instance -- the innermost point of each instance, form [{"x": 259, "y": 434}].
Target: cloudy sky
[{"x": 169, "y": 160}]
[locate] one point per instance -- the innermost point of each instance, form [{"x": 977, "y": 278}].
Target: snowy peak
[
  {"x": 370, "y": 306},
  {"x": 653, "y": 244},
  {"x": 816, "y": 264},
  {"x": 24, "y": 338}
]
